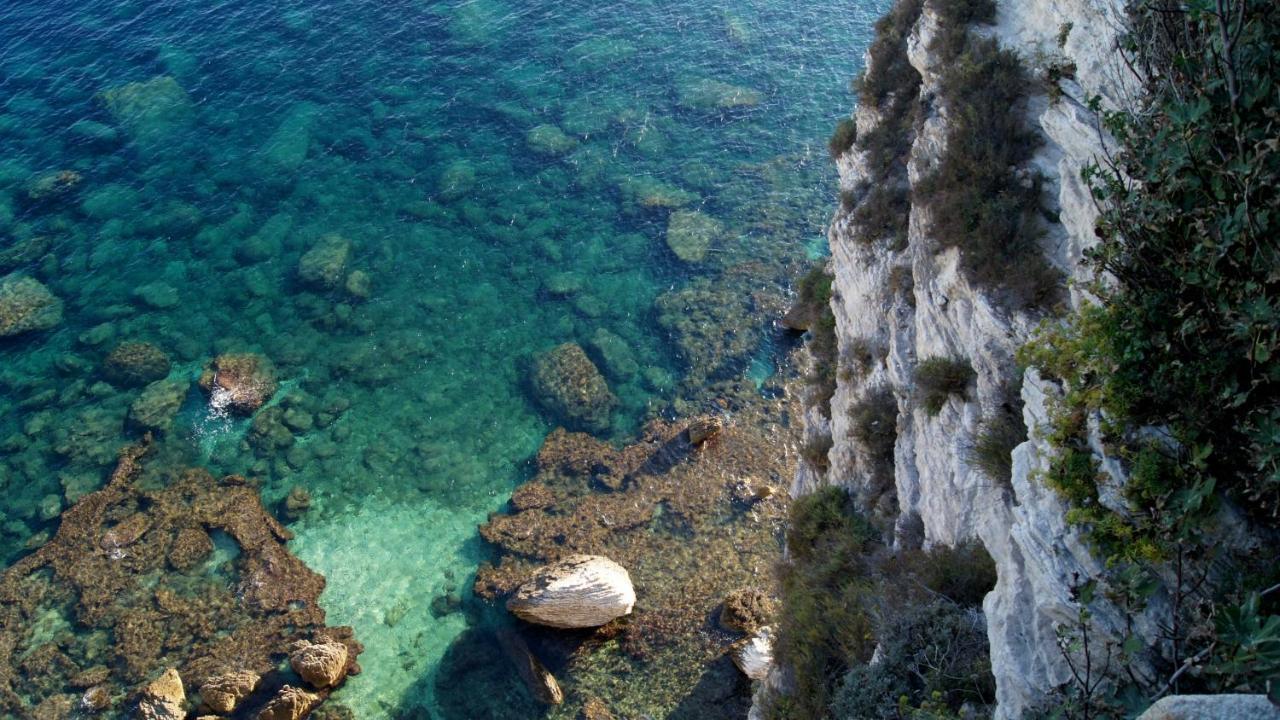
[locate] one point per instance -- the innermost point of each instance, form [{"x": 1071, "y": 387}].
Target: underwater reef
[{"x": 183, "y": 573}]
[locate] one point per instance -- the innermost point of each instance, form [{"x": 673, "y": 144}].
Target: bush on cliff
[
  {"x": 938, "y": 378},
  {"x": 1184, "y": 343}
]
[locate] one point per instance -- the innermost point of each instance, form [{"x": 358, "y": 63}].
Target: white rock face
[
  {"x": 916, "y": 304},
  {"x": 1212, "y": 707},
  {"x": 578, "y": 592},
  {"x": 754, "y": 656}
]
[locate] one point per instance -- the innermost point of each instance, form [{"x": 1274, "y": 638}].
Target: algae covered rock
[
  {"x": 241, "y": 382},
  {"x": 321, "y": 665},
  {"x": 159, "y": 402},
  {"x": 702, "y": 429},
  {"x": 223, "y": 693},
  {"x": 287, "y": 148},
  {"x": 163, "y": 698},
  {"x": 650, "y": 192},
  {"x": 133, "y": 364},
  {"x": 290, "y": 703},
  {"x": 149, "y": 111},
  {"x": 26, "y": 306},
  {"x": 614, "y": 353},
  {"x": 52, "y": 185},
  {"x": 567, "y": 383},
  {"x": 691, "y": 233},
  {"x": 580, "y": 591},
  {"x": 746, "y": 610},
  {"x": 325, "y": 264}
]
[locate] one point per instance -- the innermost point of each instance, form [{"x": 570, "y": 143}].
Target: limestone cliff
[{"x": 901, "y": 306}]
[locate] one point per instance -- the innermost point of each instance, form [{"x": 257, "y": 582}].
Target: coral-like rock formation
[
  {"x": 707, "y": 95},
  {"x": 150, "y": 111},
  {"x": 580, "y": 591},
  {"x": 223, "y": 693},
  {"x": 321, "y": 665},
  {"x": 26, "y": 305},
  {"x": 746, "y": 610},
  {"x": 126, "y": 566},
  {"x": 134, "y": 364},
  {"x": 240, "y": 382},
  {"x": 702, "y": 429},
  {"x": 550, "y": 140},
  {"x": 52, "y": 185},
  {"x": 567, "y": 383}
]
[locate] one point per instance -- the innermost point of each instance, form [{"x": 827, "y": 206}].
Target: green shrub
[
  {"x": 873, "y": 422},
  {"x": 842, "y": 139},
  {"x": 938, "y": 378},
  {"x": 980, "y": 201},
  {"x": 1001, "y": 431},
  {"x": 822, "y": 624},
  {"x": 815, "y": 452},
  {"x": 891, "y": 85}
]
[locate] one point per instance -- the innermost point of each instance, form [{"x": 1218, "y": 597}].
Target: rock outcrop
[
  {"x": 133, "y": 364},
  {"x": 26, "y": 306},
  {"x": 580, "y": 591},
  {"x": 1212, "y": 707},
  {"x": 239, "y": 382},
  {"x": 567, "y": 383},
  {"x": 290, "y": 703}
]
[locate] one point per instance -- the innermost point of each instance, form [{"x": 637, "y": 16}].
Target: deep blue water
[{"x": 494, "y": 167}]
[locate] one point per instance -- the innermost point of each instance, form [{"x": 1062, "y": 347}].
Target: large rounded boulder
[
  {"x": 567, "y": 383},
  {"x": 580, "y": 591}
]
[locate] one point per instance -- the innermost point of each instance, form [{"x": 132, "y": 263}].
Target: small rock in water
[
  {"x": 704, "y": 428},
  {"x": 325, "y": 264},
  {"x": 322, "y": 665},
  {"x": 52, "y": 185},
  {"x": 296, "y": 503},
  {"x": 594, "y": 709},
  {"x": 745, "y": 610},
  {"x": 134, "y": 364},
  {"x": 566, "y": 382},
  {"x": 223, "y": 693},
  {"x": 158, "y": 404},
  {"x": 580, "y": 591},
  {"x": 241, "y": 382},
  {"x": 158, "y": 295},
  {"x": 26, "y": 305},
  {"x": 164, "y": 698},
  {"x": 290, "y": 703}
]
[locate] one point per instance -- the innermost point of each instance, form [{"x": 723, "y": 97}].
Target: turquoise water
[{"x": 504, "y": 173}]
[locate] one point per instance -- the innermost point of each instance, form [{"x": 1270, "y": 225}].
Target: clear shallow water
[{"x": 492, "y": 164}]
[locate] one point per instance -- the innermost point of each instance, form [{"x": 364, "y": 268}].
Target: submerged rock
[
  {"x": 746, "y": 610},
  {"x": 52, "y": 185},
  {"x": 541, "y": 683},
  {"x": 163, "y": 698},
  {"x": 707, "y": 95},
  {"x": 566, "y": 382},
  {"x": 754, "y": 655},
  {"x": 321, "y": 665},
  {"x": 150, "y": 111},
  {"x": 702, "y": 429},
  {"x": 690, "y": 234},
  {"x": 134, "y": 364},
  {"x": 240, "y": 382},
  {"x": 550, "y": 140},
  {"x": 580, "y": 591},
  {"x": 26, "y": 306},
  {"x": 223, "y": 693},
  {"x": 325, "y": 264},
  {"x": 290, "y": 703},
  {"x": 158, "y": 404}
]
